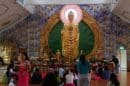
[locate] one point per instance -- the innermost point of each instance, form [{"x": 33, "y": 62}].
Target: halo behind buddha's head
[
  {"x": 71, "y": 10},
  {"x": 70, "y": 13},
  {"x": 71, "y": 16}
]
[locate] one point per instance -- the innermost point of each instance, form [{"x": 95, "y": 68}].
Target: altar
[{"x": 71, "y": 32}]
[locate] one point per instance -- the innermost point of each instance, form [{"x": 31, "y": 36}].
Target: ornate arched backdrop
[
  {"x": 26, "y": 34},
  {"x": 87, "y": 19}
]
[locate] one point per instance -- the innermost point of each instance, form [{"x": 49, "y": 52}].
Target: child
[
  {"x": 69, "y": 79},
  {"x": 12, "y": 80},
  {"x": 57, "y": 77},
  {"x": 113, "y": 80},
  {"x": 9, "y": 71},
  {"x": 76, "y": 78},
  {"x": 106, "y": 73},
  {"x": 100, "y": 71}
]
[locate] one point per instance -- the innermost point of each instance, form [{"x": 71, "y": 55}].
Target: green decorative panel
[
  {"x": 86, "y": 38},
  {"x": 55, "y": 37},
  {"x": 86, "y": 41}
]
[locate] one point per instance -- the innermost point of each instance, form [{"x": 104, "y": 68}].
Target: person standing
[
  {"x": 50, "y": 79},
  {"x": 76, "y": 78},
  {"x": 36, "y": 77},
  {"x": 9, "y": 68},
  {"x": 23, "y": 72},
  {"x": 61, "y": 74},
  {"x": 12, "y": 80},
  {"x": 113, "y": 80},
  {"x": 106, "y": 73},
  {"x": 69, "y": 79},
  {"x": 83, "y": 68},
  {"x": 116, "y": 62}
]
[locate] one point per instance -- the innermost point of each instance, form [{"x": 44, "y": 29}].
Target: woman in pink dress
[{"x": 24, "y": 68}]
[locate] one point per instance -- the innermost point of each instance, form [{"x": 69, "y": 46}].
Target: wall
[{"x": 27, "y": 33}]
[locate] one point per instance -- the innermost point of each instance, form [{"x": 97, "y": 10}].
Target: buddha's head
[{"x": 71, "y": 16}]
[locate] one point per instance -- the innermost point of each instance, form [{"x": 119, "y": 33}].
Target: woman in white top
[{"x": 69, "y": 79}]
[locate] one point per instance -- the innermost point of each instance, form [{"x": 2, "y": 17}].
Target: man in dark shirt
[
  {"x": 116, "y": 62},
  {"x": 50, "y": 79}
]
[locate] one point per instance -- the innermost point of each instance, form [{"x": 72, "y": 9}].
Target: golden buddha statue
[
  {"x": 58, "y": 55},
  {"x": 70, "y": 38}
]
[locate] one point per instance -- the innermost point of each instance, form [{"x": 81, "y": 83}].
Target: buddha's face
[{"x": 71, "y": 18}]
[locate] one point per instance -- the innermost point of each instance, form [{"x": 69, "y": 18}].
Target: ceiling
[
  {"x": 122, "y": 10},
  {"x": 10, "y": 13}
]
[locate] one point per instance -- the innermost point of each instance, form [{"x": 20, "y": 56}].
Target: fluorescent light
[{"x": 122, "y": 48}]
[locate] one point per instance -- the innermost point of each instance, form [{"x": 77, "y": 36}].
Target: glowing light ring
[
  {"x": 70, "y": 10},
  {"x": 77, "y": 14}
]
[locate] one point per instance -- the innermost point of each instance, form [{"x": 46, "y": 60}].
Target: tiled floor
[
  {"x": 99, "y": 83},
  {"x": 128, "y": 78},
  {"x": 124, "y": 77}
]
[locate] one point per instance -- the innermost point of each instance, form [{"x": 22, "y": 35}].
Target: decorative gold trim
[
  {"x": 8, "y": 48},
  {"x": 99, "y": 43}
]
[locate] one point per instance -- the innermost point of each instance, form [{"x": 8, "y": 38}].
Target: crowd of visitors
[{"x": 80, "y": 74}]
